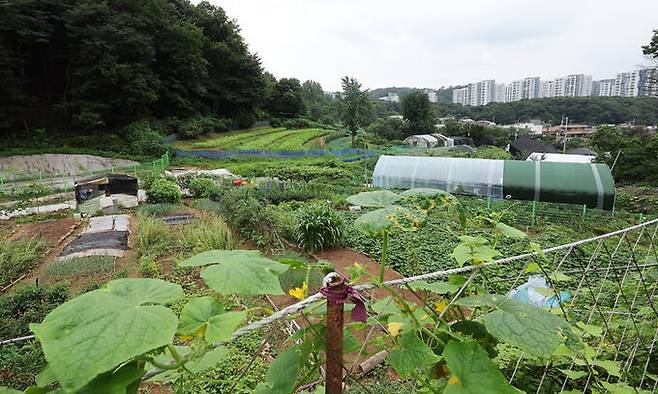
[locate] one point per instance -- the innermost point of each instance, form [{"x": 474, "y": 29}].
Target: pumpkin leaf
[
  {"x": 473, "y": 371},
  {"x": 413, "y": 354},
  {"x": 87, "y": 327},
  {"x": 376, "y": 199}
]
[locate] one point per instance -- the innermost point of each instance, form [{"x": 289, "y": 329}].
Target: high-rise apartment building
[
  {"x": 575, "y": 85},
  {"x": 477, "y": 93},
  {"x": 499, "y": 96},
  {"x": 606, "y": 88},
  {"x": 432, "y": 96}
]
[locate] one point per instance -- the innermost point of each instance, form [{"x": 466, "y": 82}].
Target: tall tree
[
  {"x": 316, "y": 101},
  {"x": 287, "y": 100},
  {"x": 418, "y": 113},
  {"x": 356, "y": 107}
]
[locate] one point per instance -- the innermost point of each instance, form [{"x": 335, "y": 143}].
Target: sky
[{"x": 430, "y": 44}]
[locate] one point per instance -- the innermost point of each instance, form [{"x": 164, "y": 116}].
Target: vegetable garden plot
[{"x": 104, "y": 236}]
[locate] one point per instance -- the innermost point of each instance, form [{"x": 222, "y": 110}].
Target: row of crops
[{"x": 263, "y": 138}]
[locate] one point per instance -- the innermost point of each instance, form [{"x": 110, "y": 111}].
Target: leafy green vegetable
[
  {"x": 531, "y": 329},
  {"x": 93, "y": 333},
  {"x": 243, "y": 272},
  {"x": 475, "y": 373},
  {"x": 206, "y": 317},
  {"x": 412, "y": 355},
  {"x": 376, "y": 199}
]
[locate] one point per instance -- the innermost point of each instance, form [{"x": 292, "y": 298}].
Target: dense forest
[
  {"x": 589, "y": 110},
  {"x": 89, "y": 64}
]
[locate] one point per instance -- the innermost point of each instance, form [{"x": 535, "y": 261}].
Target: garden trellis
[
  {"x": 612, "y": 282},
  {"x": 613, "y": 279}
]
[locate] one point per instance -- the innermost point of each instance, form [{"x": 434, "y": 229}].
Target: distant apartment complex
[
  {"x": 628, "y": 84},
  {"x": 391, "y": 97},
  {"x": 477, "y": 93}
]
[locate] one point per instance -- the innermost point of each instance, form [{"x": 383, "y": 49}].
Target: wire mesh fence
[{"x": 605, "y": 287}]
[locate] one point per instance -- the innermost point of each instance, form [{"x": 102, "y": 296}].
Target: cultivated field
[{"x": 264, "y": 138}]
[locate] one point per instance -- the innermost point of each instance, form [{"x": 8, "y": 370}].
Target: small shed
[{"x": 105, "y": 185}]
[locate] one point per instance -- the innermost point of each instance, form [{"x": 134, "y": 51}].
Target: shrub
[
  {"x": 318, "y": 226},
  {"x": 16, "y": 257},
  {"x": 148, "y": 266},
  {"x": 208, "y": 233},
  {"x": 143, "y": 140},
  {"x": 19, "y": 365},
  {"x": 302, "y": 123},
  {"x": 80, "y": 266},
  {"x": 153, "y": 237},
  {"x": 200, "y": 125},
  {"x": 202, "y": 187},
  {"x": 163, "y": 190}
]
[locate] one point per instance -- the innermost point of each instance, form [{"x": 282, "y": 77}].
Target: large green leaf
[
  {"x": 376, "y": 199},
  {"x": 243, "y": 272},
  {"x": 381, "y": 220},
  {"x": 510, "y": 231},
  {"x": 412, "y": 355},
  {"x": 125, "y": 380},
  {"x": 474, "y": 249},
  {"x": 95, "y": 332},
  {"x": 208, "y": 360},
  {"x": 206, "y": 316},
  {"x": 531, "y": 329},
  {"x": 282, "y": 374},
  {"x": 475, "y": 373}
]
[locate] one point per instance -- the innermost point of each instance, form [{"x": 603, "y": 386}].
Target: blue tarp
[{"x": 221, "y": 154}]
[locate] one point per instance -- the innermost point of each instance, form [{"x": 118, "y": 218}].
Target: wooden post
[{"x": 334, "y": 340}]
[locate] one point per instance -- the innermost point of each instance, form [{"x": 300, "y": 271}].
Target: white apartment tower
[
  {"x": 477, "y": 93},
  {"x": 606, "y": 87}
]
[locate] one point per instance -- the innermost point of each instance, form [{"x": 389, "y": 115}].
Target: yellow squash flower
[
  {"x": 299, "y": 293},
  {"x": 440, "y": 306},
  {"x": 394, "y": 328},
  {"x": 454, "y": 380}
]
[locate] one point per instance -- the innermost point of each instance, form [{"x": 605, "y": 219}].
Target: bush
[
  {"x": 153, "y": 237},
  {"x": 301, "y": 123},
  {"x": 200, "y": 125},
  {"x": 16, "y": 257},
  {"x": 88, "y": 265},
  {"x": 163, "y": 190},
  {"x": 143, "y": 140},
  {"x": 148, "y": 266},
  {"x": 20, "y": 363},
  {"x": 318, "y": 226},
  {"x": 202, "y": 187}
]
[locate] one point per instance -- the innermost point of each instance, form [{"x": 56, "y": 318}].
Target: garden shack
[
  {"x": 101, "y": 191},
  {"x": 589, "y": 184}
]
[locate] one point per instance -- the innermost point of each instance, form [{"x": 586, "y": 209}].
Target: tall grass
[
  {"x": 17, "y": 257},
  {"x": 153, "y": 237},
  {"x": 207, "y": 233},
  {"x": 80, "y": 266}
]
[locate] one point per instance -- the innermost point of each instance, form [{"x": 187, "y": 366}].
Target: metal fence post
[
  {"x": 334, "y": 339},
  {"x": 584, "y": 210},
  {"x": 489, "y": 202},
  {"x": 534, "y": 209}
]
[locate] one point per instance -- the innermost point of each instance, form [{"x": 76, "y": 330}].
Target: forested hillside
[
  {"x": 94, "y": 65},
  {"x": 591, "y": 110}
]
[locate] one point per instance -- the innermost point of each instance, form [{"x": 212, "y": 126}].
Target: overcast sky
[{"x": 434, "y": 43}]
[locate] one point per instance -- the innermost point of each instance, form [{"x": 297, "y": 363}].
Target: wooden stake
[{"x": 334, "y": 340}]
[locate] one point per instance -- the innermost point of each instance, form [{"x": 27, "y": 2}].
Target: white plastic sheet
[{"x": 478, "y": 177}]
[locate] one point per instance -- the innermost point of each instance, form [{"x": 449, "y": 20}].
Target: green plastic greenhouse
[{"x": 571, "y": 183}]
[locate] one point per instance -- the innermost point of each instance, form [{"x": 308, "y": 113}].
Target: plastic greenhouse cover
[{"x": 479, "y": 177}]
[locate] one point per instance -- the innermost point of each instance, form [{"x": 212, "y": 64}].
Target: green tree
[
  {"x": 287, "y": 100},
  {"x": 418, "y": 113},
  {"x": 318, "y": 104},
  {"x": 388, "y": 128},
  {"x": 356, "y": 107},
  {"x": 651, "y": 49}
]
